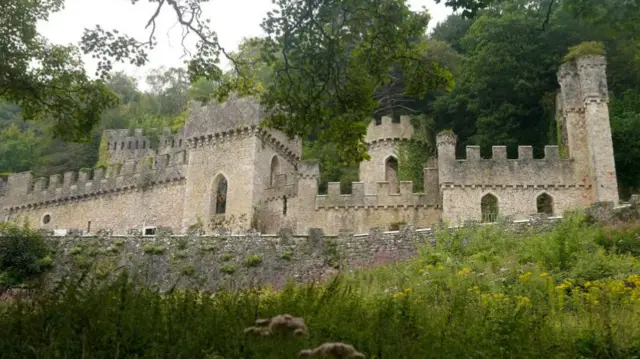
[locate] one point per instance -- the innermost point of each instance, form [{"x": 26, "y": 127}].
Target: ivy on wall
[{"x": 414, "y": 154}]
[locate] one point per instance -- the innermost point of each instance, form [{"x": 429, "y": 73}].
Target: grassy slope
[{"x": 482, "y": 293}]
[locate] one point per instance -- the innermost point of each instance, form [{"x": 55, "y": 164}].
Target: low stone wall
[{"x": 209, "y": 263}]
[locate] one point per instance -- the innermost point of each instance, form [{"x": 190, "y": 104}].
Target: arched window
[
  {"x": 122, "y": 145},
  {"x": 544, "y": 203},
  {"x": 129, "y": 145},
  {"x": 489, "y": 207},
  {"x": 144, "y": 144},
  {"x": 219, "y": 195},
  {"x": 275, "y": 170},
  {"x": 391, "y": 173}
]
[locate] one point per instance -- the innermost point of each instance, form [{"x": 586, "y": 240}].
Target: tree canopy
[{"x": 323, "y": 69}]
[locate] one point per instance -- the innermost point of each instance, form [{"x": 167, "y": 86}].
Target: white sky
[{"x": 233, "y": 20}]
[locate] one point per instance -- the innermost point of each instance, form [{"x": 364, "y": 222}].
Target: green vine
[
  {"x": 414, "y": 155},
  {"x": 104, "y": 155}
]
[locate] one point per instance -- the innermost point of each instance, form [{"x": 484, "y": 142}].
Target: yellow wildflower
[
  {"x": 525, "y": 277},
  {"x": 464, "y": 271}
]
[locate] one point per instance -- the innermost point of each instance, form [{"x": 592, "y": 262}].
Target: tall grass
[{"x": 478, "y": 293}]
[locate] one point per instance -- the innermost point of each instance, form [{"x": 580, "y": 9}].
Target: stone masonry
[{"x": 223, "y": 172}]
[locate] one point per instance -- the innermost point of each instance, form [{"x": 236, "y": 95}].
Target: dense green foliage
[
  {"x": 485, "y": 292},
  {"x": 47, "y": 81},
  {"x": 23, "y": 254}
]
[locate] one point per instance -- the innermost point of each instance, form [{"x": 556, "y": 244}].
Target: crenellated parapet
[
  {"x": 170, "y": 142},
  {"x": 235, "y": 119},
  {"x": 126, "y": 145},
  {"x": 23, "y": 191},
  {"x": 387, "y": 129},
  {"x": 474, "y": 170},
  {"x": 382, "y": 197}
]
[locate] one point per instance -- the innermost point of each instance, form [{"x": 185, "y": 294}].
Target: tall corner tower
[
  {"x": 383, "y": 141},
  {"x": 585, "y": 99}
]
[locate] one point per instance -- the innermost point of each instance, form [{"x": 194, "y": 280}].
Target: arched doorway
[
  {"x": 544, "y": 203},
  {"x": 489, "y": 208},
  {"x": 391, "y": 173}
]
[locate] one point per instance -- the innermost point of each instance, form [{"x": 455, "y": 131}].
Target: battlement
[
  {"x": 500, "y": 170},
  {"x": 25, "y": 191},
  {"x": 283, "y": 186},
  {"x": 170, "y": 142},
  {"x": 235, "y": 113},
  {"x": 381, "y": 198},
  {"x": 388, "y": 128}
]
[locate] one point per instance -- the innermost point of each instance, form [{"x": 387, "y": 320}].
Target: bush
[
  {"x": 23, "y": 253},
  {"x": 253, "y": 260}
]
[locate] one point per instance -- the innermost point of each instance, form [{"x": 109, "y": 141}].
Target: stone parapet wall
[
  {"x": 382, "y": 197},
  {"x": 24, "y": 191},
  {"x": 212, "y": 263},
  {"x": 552, "y": 170}
]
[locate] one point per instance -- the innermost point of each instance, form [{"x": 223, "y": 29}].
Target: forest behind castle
[{"x": 503, "y": 63}]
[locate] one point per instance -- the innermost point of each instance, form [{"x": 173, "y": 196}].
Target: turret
[
  {"x": 585, "y": 107},
  {"x": 446, "y": 142},
  {"x": 383, "y": 141}
]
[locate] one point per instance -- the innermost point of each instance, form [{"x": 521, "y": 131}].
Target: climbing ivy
[{"x": 414, "y": 154}]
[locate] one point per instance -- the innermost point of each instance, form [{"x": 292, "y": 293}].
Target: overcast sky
[{"x": 233, "y": 20}]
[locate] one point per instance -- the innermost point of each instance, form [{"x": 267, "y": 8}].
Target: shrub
[
  {"x": 287, "y": 255},
  {"x": 228, "y": 269},
  {"x": 153, "y": 249},
  {"x": 623, "y": 239},
  {"x": 253, "y": 260},
  {"x": 23, "y": 253},
  {"x": 396, "y": 225},
  {"x": 188, "y": 270}
]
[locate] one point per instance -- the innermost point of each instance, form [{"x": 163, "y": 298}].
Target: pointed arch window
[
  {"x": 391, "y": 173},
  {"x": 544, "y": 203},
  {"x": 489, "y": 208},
  {"x": 219, "y": 195}
]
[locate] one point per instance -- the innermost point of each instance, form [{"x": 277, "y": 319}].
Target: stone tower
[
  {"x": 585, "y": 110},
  {"x": 383, "y": 141}
]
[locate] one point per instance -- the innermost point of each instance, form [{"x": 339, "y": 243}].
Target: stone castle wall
[
  {"x": 271, "y": 190},
  {"x": 95, "y": 200},
  {"x": 212, "y": 263}
]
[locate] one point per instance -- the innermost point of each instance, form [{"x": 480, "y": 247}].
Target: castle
[{"x": 222, "y": 165}]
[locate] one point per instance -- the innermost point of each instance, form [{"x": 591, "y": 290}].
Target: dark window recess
[
  {"x": 284, "y": 205},
  {"x": 46, "y": 219},
  {"x": 150, "y": 231},
  {"x": 221, "y": 196}
]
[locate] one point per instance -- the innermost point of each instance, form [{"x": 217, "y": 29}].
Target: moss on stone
[{"x": 584, "y": 49}]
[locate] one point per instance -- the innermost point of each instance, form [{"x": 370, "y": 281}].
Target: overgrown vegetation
[
  {"x": 23, "y": 254},
  {"x": 490, "y": 291},
  {"x": 584, "y": 49}
]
